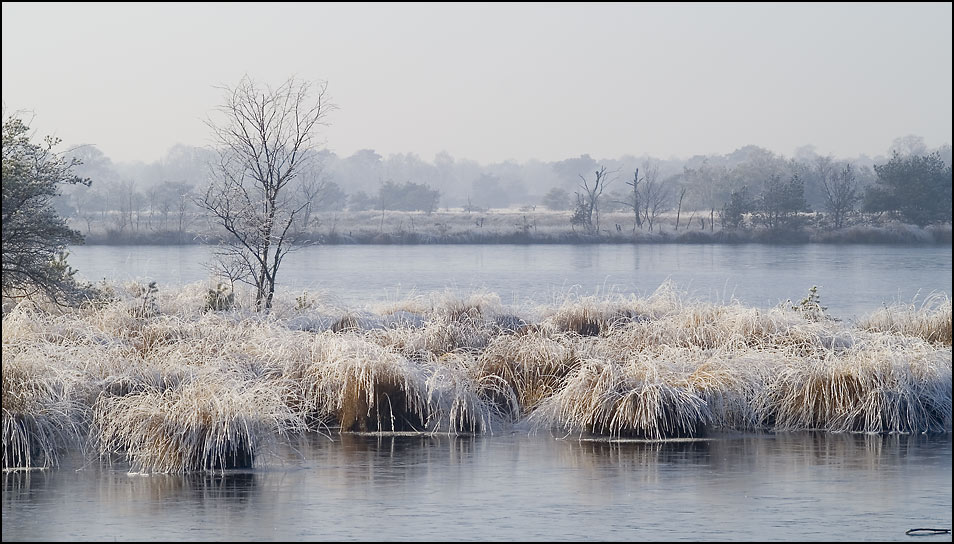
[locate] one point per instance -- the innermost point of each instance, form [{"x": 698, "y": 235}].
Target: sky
[{"x": 493, "y": 82}]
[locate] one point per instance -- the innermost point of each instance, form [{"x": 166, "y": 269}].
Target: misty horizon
[{"x": 496, "y": 83}]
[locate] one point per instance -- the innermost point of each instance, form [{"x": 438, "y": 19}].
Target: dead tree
[
  {"x": 587, "y": 212},
  {"x": 264, "y": 137},
  {"x": 682, "y": 195},
  {"x": 655, "y": 197},
  {"x": 634, "y": 205}
]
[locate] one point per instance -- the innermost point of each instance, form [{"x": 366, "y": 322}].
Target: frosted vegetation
[{"x": 194, "y": 379}]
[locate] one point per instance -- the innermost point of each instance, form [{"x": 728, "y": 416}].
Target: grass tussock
[
  {"x": 931, "y": 321},
  {"x": 881, "y": 385},
  {"x": 208, "y": 424},
  {"x": 533, "y": 365},
  {"x": 603, "y": 397},
  {"x": 182, "y": 387},
  {"x": 40, "y": 415},
  {"x": 360, "y": 386}
]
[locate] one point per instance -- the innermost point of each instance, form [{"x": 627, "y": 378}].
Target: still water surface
[
  {"x": 752, "y": 487},
  {"x": 853, "y": 279}
]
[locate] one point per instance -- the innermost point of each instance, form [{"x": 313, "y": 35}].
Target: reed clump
[
  {"x": 176, "y": 386},
  {"x": 931, "y": 321},
  {"x": 207, "y": 424},
  {"x": 40, "y": 415},
  {"x": 358, "y": 385},
  {"x": 449, "y": 325},
  {"x": 880, "y": 385},
  {"x": 589, "y": 316},
  {"x": 604, "y": 397},
  {"x": 534, "y": 365}
]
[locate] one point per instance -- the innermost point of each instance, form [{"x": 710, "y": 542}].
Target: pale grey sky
[{"x": 491, "y": 82}]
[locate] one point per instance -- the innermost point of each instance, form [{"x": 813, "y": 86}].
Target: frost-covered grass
[
  {"x": 206, "y": 423},
  {"x": 930, "y": 321},
  {"x": 166, "y": 384}
]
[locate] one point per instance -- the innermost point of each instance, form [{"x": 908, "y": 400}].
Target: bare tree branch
[{"x": 265, "y": 140}]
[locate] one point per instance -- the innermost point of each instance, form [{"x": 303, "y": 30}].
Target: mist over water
[{"x": 852, "y": 280}]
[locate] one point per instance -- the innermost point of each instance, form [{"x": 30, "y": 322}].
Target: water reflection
[
  {"x": 19, "y": 485},
  {"x": 735, "y": 486},
  {"x": 747, "y": 451},
  {"x": 645, "y": 457},
  {"x": 122, "y": 489}
]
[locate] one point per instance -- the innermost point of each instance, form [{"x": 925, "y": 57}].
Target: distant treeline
[{"x": 750, "y": 194}]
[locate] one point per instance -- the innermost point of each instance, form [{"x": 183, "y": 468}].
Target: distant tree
[
  {"x": 631, "y": 202},
  {"x": 841, "y": 195},
  {"x": 587, "y": 209},
  {"x": 916, "y": 187},
  {"x": 332, "y": 197},
  {"x": 568, "y": 170},
  {"x": 656, "y": 196},
  {"x": 557, "y": 199},
  {"x": 178, "y": 198},
  {"x": 780, "y": 202},
  {"x": 911, "y": 144},
  {"x": 317, "y": 193},
  {"x": 709, "y": 188},
  {"x": 733, "y": 212},
  {"x": 360, "y": 201},
  {"x": 131, "y": 203},
  {"x": 878, "y": 200},
  {"x": 682, "y": 196},
  {"x": 34, "y": 236},
  {"x": 944, "y": 152},
  {"x": 489, "y": 192},
  {"x": 264, "y": 137},
  {"x": 408, "y": 197}
]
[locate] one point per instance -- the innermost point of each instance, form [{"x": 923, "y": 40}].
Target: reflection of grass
[{"x": 193, "y": 389}]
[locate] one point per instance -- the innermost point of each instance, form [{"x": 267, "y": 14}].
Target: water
[
  {"x": 795, "y": 486},
  {"x": 853, "y": 280},
  {"x": 511, "y": 486}
]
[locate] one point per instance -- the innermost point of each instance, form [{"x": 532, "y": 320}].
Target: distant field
[{"x": 524, "y": 225}]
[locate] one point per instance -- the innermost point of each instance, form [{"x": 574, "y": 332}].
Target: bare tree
[
  {"x": 312, "y": 186},
  {"x": 183, "y": 201},
  {"x": 264, "y": 137},
  {"x": 656, "y": 196},
  {"x": 633, "y": 201},
  {"x": 682, "y": 195},
  {"x": 841, "y": 195},
  {"x": 587, "y": 212},
  {"x": 130, "y": 203},
  {"x": 709, "y": 191}
]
